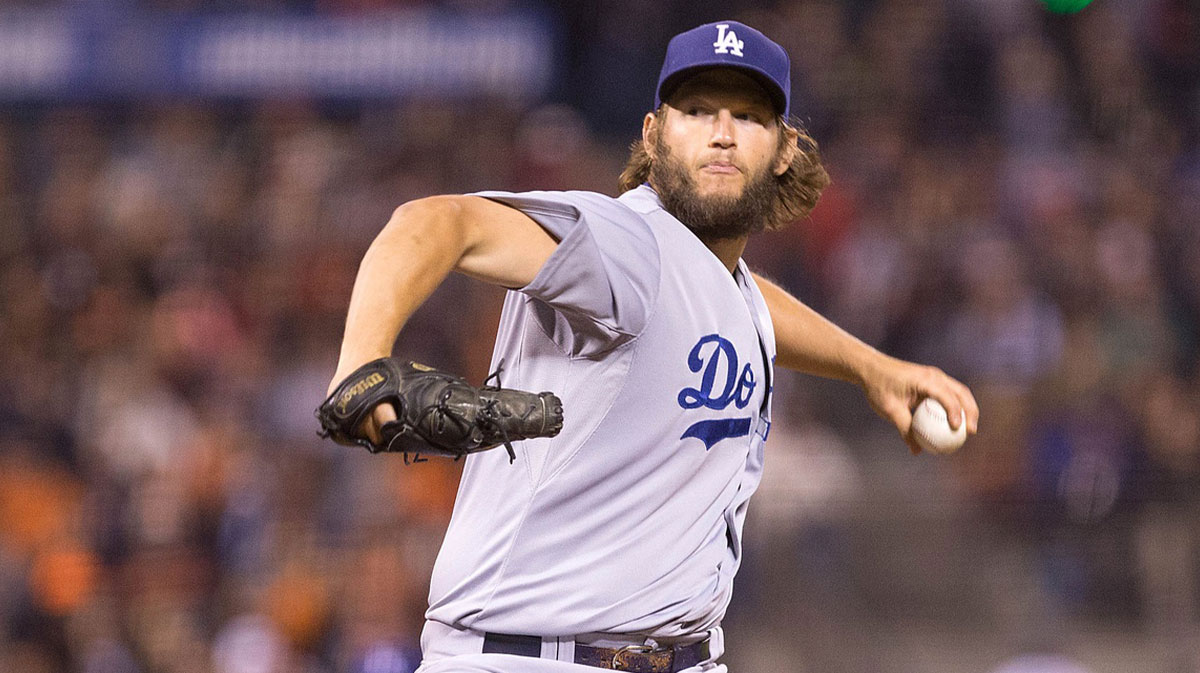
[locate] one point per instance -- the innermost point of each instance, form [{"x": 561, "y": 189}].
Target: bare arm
[
  {"x": 421, "y": 244},
  {"x": 807, "y": 342}
]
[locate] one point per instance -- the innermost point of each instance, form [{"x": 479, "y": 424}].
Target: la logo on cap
[{"x": 727, "y": 42}]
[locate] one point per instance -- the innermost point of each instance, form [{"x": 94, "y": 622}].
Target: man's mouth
[{"x": 720, "y": 167}]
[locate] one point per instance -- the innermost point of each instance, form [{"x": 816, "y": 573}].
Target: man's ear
[
  {"x": 649, "y": 132},
  {"x": 789, "y": 150}
]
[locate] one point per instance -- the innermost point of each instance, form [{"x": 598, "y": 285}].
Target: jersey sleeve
[{"x": 603, "y": 277}]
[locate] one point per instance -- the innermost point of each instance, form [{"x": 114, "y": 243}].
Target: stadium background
[{"x": 186, "y": 188}]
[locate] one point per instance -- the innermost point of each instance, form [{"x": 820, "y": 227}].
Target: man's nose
[{"x": 722, "y": 132}]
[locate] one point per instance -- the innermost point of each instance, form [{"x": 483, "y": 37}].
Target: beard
[{"x": 713, "y": 217}]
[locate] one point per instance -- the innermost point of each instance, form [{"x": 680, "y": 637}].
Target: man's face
[{"x": 716, "y": 154}]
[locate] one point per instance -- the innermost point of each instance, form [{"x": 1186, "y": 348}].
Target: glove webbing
[{"x": 487, "y": 415}]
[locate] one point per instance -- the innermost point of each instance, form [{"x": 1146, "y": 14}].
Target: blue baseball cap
[{"x": 727, "y": 44}]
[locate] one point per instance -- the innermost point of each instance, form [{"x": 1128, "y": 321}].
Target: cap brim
[{"x": 764, "y": 80}]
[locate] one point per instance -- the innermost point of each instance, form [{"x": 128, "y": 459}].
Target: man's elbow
[
  {"x": 432, "y": 220},
  {"x": 444, "y": 209}
]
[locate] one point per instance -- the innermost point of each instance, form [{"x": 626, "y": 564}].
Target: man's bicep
[{"x": 505, "y": 247}]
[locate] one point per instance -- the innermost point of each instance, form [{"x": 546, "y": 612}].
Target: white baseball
[{"x": 932, "y": 431}]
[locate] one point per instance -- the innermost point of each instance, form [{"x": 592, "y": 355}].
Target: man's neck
[{"x": 728, "y": 250}]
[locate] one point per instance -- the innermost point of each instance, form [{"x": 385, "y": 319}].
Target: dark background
[{"x": 1015, "y": 199}]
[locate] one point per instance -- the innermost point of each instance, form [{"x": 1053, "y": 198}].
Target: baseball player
[{"x": 613, "y": 542}]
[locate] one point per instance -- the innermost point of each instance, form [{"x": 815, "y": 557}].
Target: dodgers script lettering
[{"x": 722, "y": 383}]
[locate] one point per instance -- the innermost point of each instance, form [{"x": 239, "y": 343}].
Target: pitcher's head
[{"x": 719, "y": 148}]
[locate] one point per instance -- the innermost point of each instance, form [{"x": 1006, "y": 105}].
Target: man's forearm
[
  {"x": 410, "y": 257},
  {"x": 808, "y": 342}
]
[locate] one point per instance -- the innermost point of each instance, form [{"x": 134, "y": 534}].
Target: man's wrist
[
  {"x": 863, "y": 364},
  {"x": 349, "y": 362}
]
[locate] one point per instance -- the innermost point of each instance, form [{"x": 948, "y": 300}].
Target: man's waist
[
  {"x": 625, "y": 652},
  {"x": 646, "y": 595}
]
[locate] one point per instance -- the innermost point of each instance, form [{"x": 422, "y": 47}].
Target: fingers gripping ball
[
  {"x": 436, "y": 413},
  {"x": 931, "y": 428}
]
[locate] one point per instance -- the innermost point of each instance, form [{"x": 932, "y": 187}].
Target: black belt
[{"x": 632, "y": 658}]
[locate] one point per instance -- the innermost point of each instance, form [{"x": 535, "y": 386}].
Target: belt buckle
[{"x": 618, "y": 664}]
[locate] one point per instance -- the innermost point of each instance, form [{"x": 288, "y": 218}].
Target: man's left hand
[{"x": 895, "y": 387}]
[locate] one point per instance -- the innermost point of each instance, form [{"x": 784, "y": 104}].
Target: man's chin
[{"x": 721, "y": 187}]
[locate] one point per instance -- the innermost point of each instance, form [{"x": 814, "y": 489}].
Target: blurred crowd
[{"x": 1015, "y": 198}]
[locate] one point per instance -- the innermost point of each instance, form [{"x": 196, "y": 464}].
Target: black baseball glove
[{"x": 437, "y": 413}]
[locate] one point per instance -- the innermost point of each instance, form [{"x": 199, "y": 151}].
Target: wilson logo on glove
[{"x": 360, "y": 387}]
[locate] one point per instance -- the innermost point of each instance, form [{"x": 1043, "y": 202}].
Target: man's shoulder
[
  {"x": 565, "y": 197},
  {"x": 641, "y": 199},
  {"x": 634, "y": 204}
]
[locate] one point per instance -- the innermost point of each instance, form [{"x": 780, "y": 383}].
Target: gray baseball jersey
[{"x": 630, "y": 520}]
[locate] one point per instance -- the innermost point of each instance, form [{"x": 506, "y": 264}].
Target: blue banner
[{"x": 52, "y": 55}]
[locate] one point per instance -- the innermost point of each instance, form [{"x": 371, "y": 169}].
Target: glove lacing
[
  {"x": 439, "y": 424},
  {"x": 489, "y": 415},
  {"x": 487, "y": 419}
]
